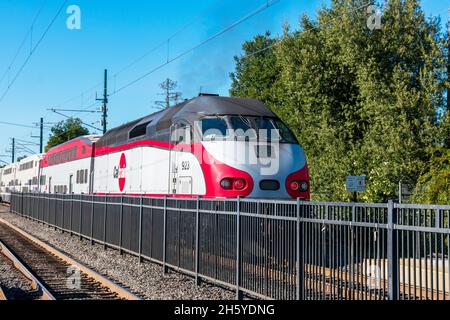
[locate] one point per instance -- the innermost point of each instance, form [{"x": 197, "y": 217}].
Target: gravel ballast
[
  {"x": 14, "y": 284},
  {"x": 146, "y": 279}
]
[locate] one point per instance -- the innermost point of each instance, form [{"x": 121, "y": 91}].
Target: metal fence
[{"x": 269, "y": 249}]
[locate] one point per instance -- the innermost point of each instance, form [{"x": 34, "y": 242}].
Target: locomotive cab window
[
  {"x": 214, "y": 129},
  {"x": 243, "y": 128},
  {"x": 274, "y": 130}
]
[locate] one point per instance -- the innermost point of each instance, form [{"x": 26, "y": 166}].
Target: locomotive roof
[{"x": 190, "y": 111}]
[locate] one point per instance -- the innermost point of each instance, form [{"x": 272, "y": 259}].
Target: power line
[
  {"x": 33, "y": 50},
  {"x": 30, "y": 30},
  {"x": 268, "y": 4},
  {"x": 69, "y": 117},
  {"x": 279, "y": 41},
  {"x": 18, "y": 125},
  {"x": 265, "y": 6},
  {"x": 140, "y": 58}
]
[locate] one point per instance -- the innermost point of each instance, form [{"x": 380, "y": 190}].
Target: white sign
[{"x": 356, "y": 184}]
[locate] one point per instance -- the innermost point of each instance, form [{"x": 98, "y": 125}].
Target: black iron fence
[{"x": 269, "y": 249}]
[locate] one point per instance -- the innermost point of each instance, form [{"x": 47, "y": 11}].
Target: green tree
[
  {"x": 65, "y": 131},
  {"x": 361, "y": 102},
  {"x": 433, "y": 185},
  {"x": 257, "y": 72}
]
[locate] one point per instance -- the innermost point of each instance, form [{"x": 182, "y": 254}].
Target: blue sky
[{"x": 115, "y": 33}]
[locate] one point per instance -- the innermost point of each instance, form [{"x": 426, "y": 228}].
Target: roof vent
[{"x": 208, "y": 95}]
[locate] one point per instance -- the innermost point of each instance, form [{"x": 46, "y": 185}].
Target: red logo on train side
[{"x": 119, "y": 172}]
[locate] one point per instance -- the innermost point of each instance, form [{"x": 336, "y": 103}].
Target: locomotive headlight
[{"x": 226, "y": 184}]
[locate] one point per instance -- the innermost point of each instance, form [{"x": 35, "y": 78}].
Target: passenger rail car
[{"x": 209, "y": 146}]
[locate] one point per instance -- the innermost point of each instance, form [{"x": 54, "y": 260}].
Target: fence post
[
  {"x": 56, "y": 207},
  {"x": 21, "y": 204},
  {"x": 238, "y": 249},
  {"x": 300, "y": 265},
  {"x": 352, "y": 253},
  {"x": 165, "y": 235},
  {"x": 141, "y": 209},
  {"x": 197, "y": 241},
  {"x": 105, "y": 213},
  {"x": 121, "y": 225},
  {"x": 81, "y": 216},
  {"x": 71, "y": 215},
  {"x": 392, "y": 254},
  {"x": 63, "y": 212},
  {"x": 92, "y": 219}
]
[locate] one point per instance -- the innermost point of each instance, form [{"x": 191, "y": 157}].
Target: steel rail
[
  {"x": 2, "y": 295},
  {"x": 115, "y": 288},
  {"x": 35, "y": 283}
]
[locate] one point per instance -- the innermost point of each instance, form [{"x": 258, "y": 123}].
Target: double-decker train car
[
  {"x": 8, "y": 181},
  {"x": 28, "y": 173},
  {"x": 67, "y": 168}
]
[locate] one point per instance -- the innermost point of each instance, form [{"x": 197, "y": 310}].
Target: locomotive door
[{"x": 180, "y": 180}]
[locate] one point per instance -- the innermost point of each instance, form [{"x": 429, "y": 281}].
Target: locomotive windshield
[{"x": 249, "y": 128}]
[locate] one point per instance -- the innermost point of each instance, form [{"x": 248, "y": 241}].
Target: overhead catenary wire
[
  {"x": 29, "y": 33},
  {"x": 33, "y": 50},
  {"x": 19, "y": 125},
  {"x": 261, "y": 8},
  {"x": 279, "y": 41},
  {"x": 248, "y": 16},
  {"x": 143, "y": 56}
]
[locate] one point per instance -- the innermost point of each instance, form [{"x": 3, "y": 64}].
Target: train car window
[
  {"x": 139, "y": 130},
  {"x": 214, "y": 128}
]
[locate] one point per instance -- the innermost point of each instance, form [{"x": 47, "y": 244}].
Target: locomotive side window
[{"x": 139, "y": 130}]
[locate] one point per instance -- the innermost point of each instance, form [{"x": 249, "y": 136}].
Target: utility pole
[
  {"x": 105, "y": 102},
  {"x": 41, "y": 137},
  {"x": 448, "y": 64},
  {"x": 167, "y": 93},
  {"x": 13, "y": 151}
]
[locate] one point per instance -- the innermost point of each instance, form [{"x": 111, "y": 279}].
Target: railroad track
[{"x": 54, "y": 275}]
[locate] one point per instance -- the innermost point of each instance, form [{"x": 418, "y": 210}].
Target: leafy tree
[
  {"x": 361, "y": 102},
  {"x": 433, "y": 185},
  {"x": 65, "y": 131},
  {"x": 257, "y": 72}
]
